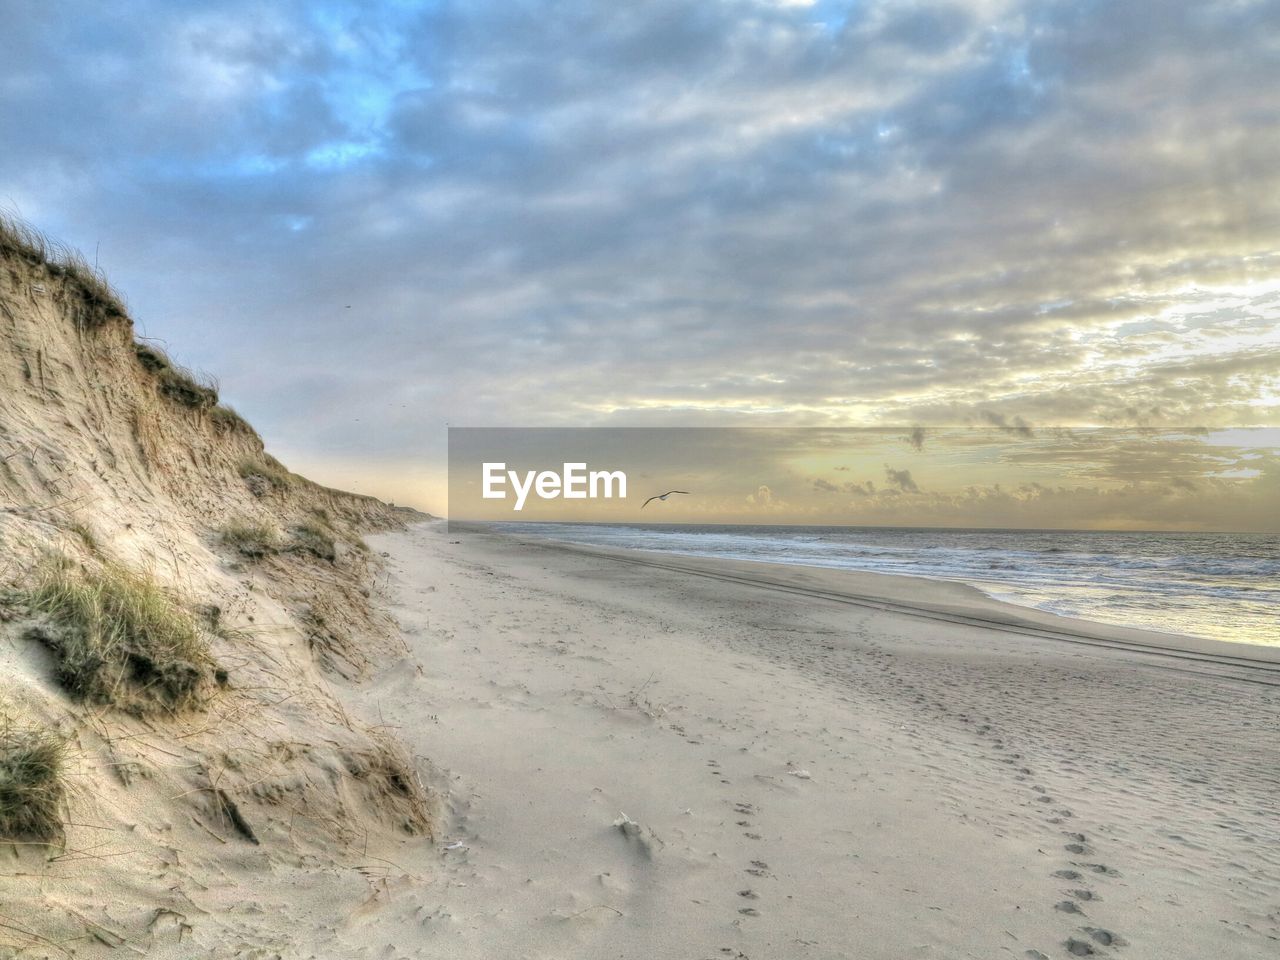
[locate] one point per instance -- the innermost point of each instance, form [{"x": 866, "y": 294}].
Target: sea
[{"x": 1223, "y": 586}]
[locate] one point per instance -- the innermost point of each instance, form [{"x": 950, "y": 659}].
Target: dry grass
[
  {"x": 226, "y": 418},
  {"x": 177, "y": 383},
  {"x": 87, "y": 537},
  {"x": 392, "y": 784},
  {"x": 270, "y": 470},
  {"x": 90, "y": 296},
  {"x": 119, "y": 638},
  {"x": 254, "y": 540},
  {"x": 315, "y": 539},
  {"x": 31, "y": 782}
]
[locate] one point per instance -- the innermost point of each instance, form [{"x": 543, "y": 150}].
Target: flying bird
[{"x": 662, "y": 496}]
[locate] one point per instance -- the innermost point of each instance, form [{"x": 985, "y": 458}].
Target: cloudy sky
[
  {"x": 373, "y": 219},
  {"x": 1106, "y": 478}
]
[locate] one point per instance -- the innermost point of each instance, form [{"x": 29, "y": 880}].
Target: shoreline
[
  {"x": 951, "y": 598},
  {"x": 1173, "y": 590}
]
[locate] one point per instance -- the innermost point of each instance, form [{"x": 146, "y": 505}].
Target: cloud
[
  {"x": 1015, "y": 425},
  {"x": 900, "y": 480},
  {"x": 671, "y": 212}
]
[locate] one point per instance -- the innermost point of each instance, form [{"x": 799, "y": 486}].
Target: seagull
[{"x": 662, "y": 496}]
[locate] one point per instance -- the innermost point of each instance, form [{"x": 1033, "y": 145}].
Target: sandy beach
[
  {"x": 644, "y": 757},
  {"x": 858, "y": 429}
]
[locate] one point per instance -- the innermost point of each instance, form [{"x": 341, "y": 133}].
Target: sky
[
  {"x": 371, "y": 220},
  {"x": 1108, "y": 478}
]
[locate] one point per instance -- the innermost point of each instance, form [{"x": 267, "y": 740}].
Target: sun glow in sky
[{"x": 373, "y": 219}]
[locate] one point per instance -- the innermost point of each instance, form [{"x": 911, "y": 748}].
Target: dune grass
[
  {"x": 388, "y": 773},
  {"x": 31, "y": 782},
  {"x": 91, "y": 297},
  {"x": 86, "y": 536},
  {"x": 227, "y": 418},
  {"x": 269, "y": 469},
  {"x": 175, "y": 382},
  {"x": 119, "y": 638},
  {"x": 254, "y": 540},
  {"x": 315, "y": 539},
  {"x": 92, "y": 302}
]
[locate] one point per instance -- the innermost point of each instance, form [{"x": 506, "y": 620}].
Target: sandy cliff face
[{"x": 183, "y": 821}]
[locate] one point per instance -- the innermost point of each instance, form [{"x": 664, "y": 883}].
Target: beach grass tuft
[
  {"x": 315, "y": 539},
  {"x": 253, "y": 540},
  {"x": 85, "y": 288},
  {"x": 227, "y": 418},
  {"x": 388, "y": 774},
  {"x": 268, "y": 470},
  {"x": 31, "y": 782},
  {"x": 177, "y": 383},
  {"x": 119, "y": 637}
]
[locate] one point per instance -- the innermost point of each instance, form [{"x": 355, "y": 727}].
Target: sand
[{"x": 680, "y": 759}]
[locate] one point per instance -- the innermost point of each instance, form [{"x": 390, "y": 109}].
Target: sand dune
[{"x": 178, "y": 617}]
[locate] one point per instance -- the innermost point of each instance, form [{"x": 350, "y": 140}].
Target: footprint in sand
[
  {"x": 1083, "y": 948},
  {"x": 759, "y": 868},
  {"x": 1103, "y": 869},
  {"x": 1068, "y": 875},
  {"x": 1105, "y": 937},
  {"x": 1067, "y": 906}
]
